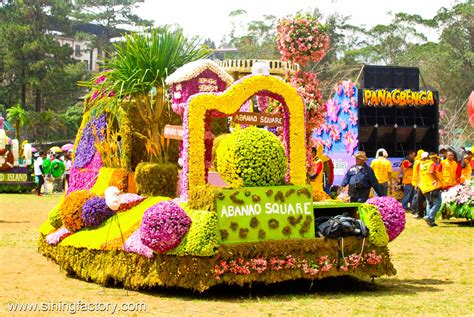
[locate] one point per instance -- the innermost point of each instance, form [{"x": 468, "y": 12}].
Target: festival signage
[
  {"x": 252, "y": 214},
  {"x": 397, "y": 97},
  {"x": 258, "y": 118},
  {"x": 14, "y": 177},
  {"x": 174, "y": 132}
]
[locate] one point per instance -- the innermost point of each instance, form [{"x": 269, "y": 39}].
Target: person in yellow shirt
[
  {"x": 383, "y": 170},
  {"x": 430, "y": 187},
  {"x": 451, "y": 170},
  {"x": 418, "y": 198},
  {"x": 407, "y": 178},
  {"x": 467, "y": 169}
]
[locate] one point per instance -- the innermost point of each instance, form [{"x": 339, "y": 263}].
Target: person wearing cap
[
  {"x": 430, "y": 186},
  {"x": 57, "y": 171},
  {"x": 451, "y": 170},
  {"x": 418, "y": 200},
  {"x": 466, "y": 172},
  {"x": 407, "y": 178},
  {"x": 361, "y": 178},
  {"x": 39, "y": 172},
  {"x": 383, "y": 170},
  {"x": 442, "y": 150}
]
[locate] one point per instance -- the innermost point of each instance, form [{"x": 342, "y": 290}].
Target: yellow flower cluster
[{"x": 228, "y": 103}]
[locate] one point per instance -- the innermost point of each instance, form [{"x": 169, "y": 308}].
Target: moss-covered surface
[
  {"x": 199, "y": 273},
  {"x": 112, "y": 229},
  {"x": 156, "y": 179}
]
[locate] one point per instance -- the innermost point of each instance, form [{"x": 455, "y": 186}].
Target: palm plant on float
[{"x": 135, "y": 79}]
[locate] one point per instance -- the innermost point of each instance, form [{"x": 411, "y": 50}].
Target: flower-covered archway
[{"x": 228, "y": 103}]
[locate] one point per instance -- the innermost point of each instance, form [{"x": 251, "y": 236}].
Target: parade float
[
  {"x": 14, "y": 177},
  {"x": 121, "y": 224}
]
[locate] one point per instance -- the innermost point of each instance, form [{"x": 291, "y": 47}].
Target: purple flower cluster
[
  {"x": 86, "y": 149},
  {"x": 163, "y": 226},
  {"x": 134, "y": 245},
  {"x": 95, "y": 211},
  {"x": 393, "y": 214}
]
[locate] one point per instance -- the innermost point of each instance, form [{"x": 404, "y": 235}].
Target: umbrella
[
  {"x": 55, "y": 149},
  {"x": 33, "y": 149},
  {"x": 67, "y": 147}
]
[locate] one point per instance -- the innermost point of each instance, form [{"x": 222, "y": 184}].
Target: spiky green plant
[
  {"x": 19, "y": 117},
  {"x": 136, "y": 75}
]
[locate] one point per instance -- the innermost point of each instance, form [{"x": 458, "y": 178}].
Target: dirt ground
[{"x": 435, "y": 277}]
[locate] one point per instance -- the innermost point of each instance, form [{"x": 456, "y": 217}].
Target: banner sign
[
  {"x": 174, "y": 132},
  {"x": 397, "y": 97},
  {"x": 258, "y": 118},
  {"x": 252, "y": 214},
  {"x": 13, "y": 177}
]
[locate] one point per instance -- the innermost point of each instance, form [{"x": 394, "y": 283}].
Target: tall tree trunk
[
  {"x": 17, "y": 130},
  {"x": 38, "y": 100},
  {"x": 23, "y": 85}
]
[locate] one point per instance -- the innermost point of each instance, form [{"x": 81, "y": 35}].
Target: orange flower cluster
[{"x": 71, "y": 209}]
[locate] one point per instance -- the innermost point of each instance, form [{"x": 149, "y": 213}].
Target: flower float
[
  {"x": 393, "y": 214},
  {"x": 95, "y": 211},
  {"x": 458, "y": 202}
]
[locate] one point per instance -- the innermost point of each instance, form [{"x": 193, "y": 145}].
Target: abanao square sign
[{"x": 252, "y": 214}]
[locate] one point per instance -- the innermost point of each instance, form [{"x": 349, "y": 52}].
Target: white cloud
[{"x": 210, "y": 18}]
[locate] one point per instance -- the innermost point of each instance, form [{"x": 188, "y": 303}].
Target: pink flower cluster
[
  {"x": 459, "y": 194},
  {"x": 55, "y": 237},
  {"x": 372, "y": 258},
  {"x": 163, "y": 226},
  {"x": 134, "y": 245},
  {"x": 393, "y": 214},
  {"x": 129, "y": 200},
  {"x": 81, "y": 179},
  {"x": 301, "y": 39}
]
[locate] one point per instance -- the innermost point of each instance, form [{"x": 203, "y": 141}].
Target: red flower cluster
[
  {"x": 372, "y": 258},
  {"x": 301, "y": 39}
]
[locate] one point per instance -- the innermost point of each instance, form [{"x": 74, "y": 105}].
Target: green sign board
[
  {"x": 251, "y": 214},
  {"x": 13, "y": 177}
]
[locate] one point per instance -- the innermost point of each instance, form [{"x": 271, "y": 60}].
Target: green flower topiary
[
  {"x": 54, "y": 216},
  {"x": 371, "y": 217},
  {"x": 252, "y": 157}
]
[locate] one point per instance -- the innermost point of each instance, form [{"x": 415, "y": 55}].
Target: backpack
[{"x": 340, "y": 226}]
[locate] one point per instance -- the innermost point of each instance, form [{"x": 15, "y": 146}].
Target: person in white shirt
[{"x": 39, "y": 173}]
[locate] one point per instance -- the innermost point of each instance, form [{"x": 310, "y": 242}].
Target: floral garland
[
  {"x": 240, "y": 266},
  {"x": 302, "y": 39},
  {"x": 163, "y": 226},
  {"x": 228, "y": 103},
  {"x": 393, "y": 214}
]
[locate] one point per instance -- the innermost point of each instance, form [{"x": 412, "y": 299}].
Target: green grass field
[{"x": 435, "y": 277}]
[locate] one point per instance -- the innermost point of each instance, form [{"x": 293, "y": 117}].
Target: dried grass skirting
[{"x": 233, "y": 264}]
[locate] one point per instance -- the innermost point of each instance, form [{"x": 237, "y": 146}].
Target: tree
[
  {"x": 44, "y": 125},
  {"x": 136, "y": 77},
  {"x": 32, "y": 58},
  {"x": 19, "y": 117},
  {"x": 110, "y": 15}
]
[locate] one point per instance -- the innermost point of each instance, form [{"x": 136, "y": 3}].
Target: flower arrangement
[
  {"x": 119, "y": 179},
  {"x": 301, "y": 39},
  {"x": 393, "y": 214},
  {"x": 459, "y": 202},
  {"x": 251, "y": 157},
  {"x": 163, "y": 226},
  {"x": 71, "y": 209},
  {"x": 104, "y": 179},
  {"x": 55, "y": 237},
  {"x": 194, "y": 172},
  {"x": 129, "y": 200},
  {"x": 95, "y": 211},
  {"x": 371, "y": 217},
  {"x": 85, "y": 150},
  {"x": 134, "y": 245}
]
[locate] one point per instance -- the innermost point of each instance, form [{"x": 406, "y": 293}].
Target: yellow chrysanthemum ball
[{"x": 252, "y": 157}]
